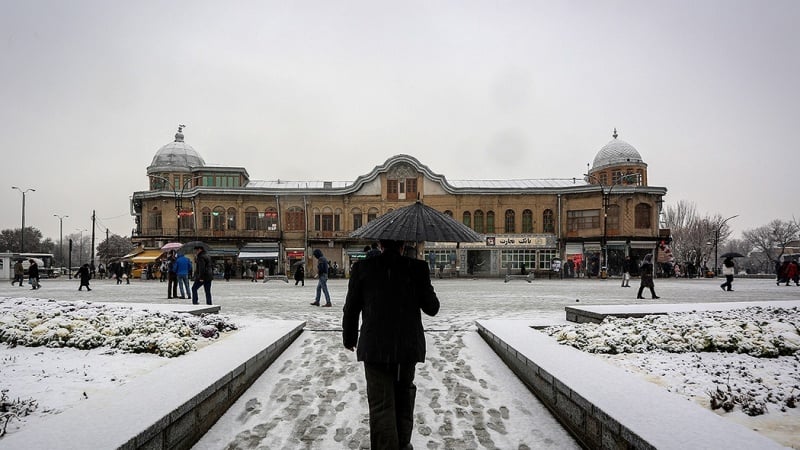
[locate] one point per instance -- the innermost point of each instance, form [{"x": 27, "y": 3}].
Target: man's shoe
[
  {"x": 327, "y": 305},
  {"x": 723, "y": 287},
  {"x": 655, "y": 297},
  {"x": 314, "y": 304}
]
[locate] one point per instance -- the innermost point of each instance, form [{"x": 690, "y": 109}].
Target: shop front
[
  {"x": 263, "y": 255},
  {"x": 495, "y": 257}
]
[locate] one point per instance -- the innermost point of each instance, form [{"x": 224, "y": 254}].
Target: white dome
[
  {"x": 615, "y": 152},
  {"x": 176, "y": 155}
]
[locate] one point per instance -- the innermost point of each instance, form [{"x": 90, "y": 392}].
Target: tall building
[{"x": 594, "y": 221}]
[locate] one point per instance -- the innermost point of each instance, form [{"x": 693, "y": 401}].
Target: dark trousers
[
  {"x": 172, "y": 285},
  {"x": 728, "y": 282},
  {"x": 206, "y": 287},
  {"x": 390, "y": 393}
]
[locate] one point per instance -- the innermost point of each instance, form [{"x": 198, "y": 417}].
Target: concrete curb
[{"x": 171, "y": 407}]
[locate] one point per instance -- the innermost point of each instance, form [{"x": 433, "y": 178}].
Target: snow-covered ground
[{"x": 313, "y": 395}]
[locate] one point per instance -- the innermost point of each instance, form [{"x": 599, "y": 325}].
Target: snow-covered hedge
[
  {"x": 756, "y": 331},
  {"x": 83, "y": 325}
]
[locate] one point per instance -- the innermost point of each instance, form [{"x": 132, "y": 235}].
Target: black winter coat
[
  {"x": 388, "y": 291},
  {"x": 204, "y": 270}
]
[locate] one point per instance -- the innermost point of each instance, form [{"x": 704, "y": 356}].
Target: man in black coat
[
  {"x": 203, "y": 275},
  {"x": 388, "y": 291}
]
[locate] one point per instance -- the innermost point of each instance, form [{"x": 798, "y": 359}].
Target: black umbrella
[
  {"x": 732, "y": 255},
  {"x": 417, "y": 223},
  {"x": 189, "y": 247}
]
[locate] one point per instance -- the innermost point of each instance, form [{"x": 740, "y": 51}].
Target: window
[
  {"x": 583, "y": 220},
  {"x": 205, "y": 215},
  {"x": 250, "y": 219},
  {"x": 323, "y": 221},
  {"x": 186, "y": 219},
  {"x": 295, "y": 219},
  {"x": 527, "y": 221},
  {"x": 612, "y": 219},
  {"x": 337, "y": 220},
  {"x": 218, "y": 217},
  {"x": 490, "y": 222},
  {"x": 548, "y": 221},
  {"x": 231, "y": 218},
  {"x": 510, "y": 226},
  {"x": 154, "y": 219},
  {"x": 411, "y": 185},
  {"x": 358, "y": 218},
  {"x": 478, "y": 220},
  {"x": 467, "y": 219},
  {"x": 391, "y": 189},
  {"x": 642, "y": 215},
  {"x": 513, "y": 259},
  {"x": 270, "y": 220},
  {"x": 448, "y": 212},
  {"x": 372, "y": 214}
]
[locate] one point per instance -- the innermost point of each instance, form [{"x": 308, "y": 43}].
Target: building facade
[{"x": 593, "y": 221}]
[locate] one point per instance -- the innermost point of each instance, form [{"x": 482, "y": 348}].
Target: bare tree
[
  {"x": 772, "y": 239},
  {"x": 695, "y": 239}
]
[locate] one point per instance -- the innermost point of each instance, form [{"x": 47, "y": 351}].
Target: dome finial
[
  {"x": 179, "y": 134},
  {"x": 615, "y": 133}
]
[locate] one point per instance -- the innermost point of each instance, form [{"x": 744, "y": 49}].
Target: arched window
[
  {"x": 323, "y": 220},
  {"x": 548, "y": 221},
  {"x": 231, "y": 218},
  {"x": 642, "y": 215},
  {"x": 467, "y": 219},
  {"x": 490, "y": 222},
  {"x": 295, "y": 219},
  {"x": 358, "y": 218},
  {"x": 448, "y": 212},
  {"x": 270, "y": 222},
  {"x": 372, "y": 214},
  {"x": 250, "y": 218},
  {"x": 205, "y": 215},
  {"x": 154, "y": 219},
  {"x": 478, "y": 220},
  {"x": 527, "y": 221},
  {"x": 510, "y": 226},
  {"x": 218, "y": 217}
]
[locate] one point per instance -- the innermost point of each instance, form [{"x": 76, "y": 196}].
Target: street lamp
[
  {"x": 178, "y": 199},
  {"x": 61, "y": 236},
  {"x": 22, "y": 234},
  {"x": 716, "y": 243},
  {"x": 80, "y": 256},
  {"x": 606, "y": 200}
]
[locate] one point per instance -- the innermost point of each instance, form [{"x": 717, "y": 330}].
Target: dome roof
[
  {"x": 176, "y": 155},
  {"x": 615, "y": 152}
]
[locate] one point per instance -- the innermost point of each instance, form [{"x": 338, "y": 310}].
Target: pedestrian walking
[
  {"x": 183, "y": 266},
  {"x": 783, "y": 273},
  {"x": 227, "y": 271},
  {"x": 646, "y": 271},
  {"x": 203, "y": 275},
  {"x": 254, "y": 271},
  {"x": 172, "y": 276},
  {"x": 796, "y": 276},
  {"x": 101, "y": 269},
  {"x": 84, "y": 273},
  {"x": 791, "y": 273},
  {"x": 388, "y": 292},
  {"x": 626, "y": 272},
  {"x": 322, "y": 278},
  {"x": 728, "y": 269},
  {"x": 33, "y": 274},
  {"x": 19, "y": 273},
  {"x": 300, "y": 275}
]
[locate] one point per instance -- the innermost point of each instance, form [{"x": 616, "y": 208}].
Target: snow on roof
[
  {"x": 518, "y": 184},
  {"x": 283, "y": 184}
]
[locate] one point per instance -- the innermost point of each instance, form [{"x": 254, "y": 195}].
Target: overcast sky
[{"x": 706, "y": 91}]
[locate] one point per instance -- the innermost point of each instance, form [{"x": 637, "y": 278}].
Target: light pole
[
  {"x": 61, "y": 236},
  {"x": 22, "y": 234},
  {"x": 716, "y": 244},
  {"x": 178, "y": 199},
  {"x": 80, "y": 255},
  {"x": 606, "y": 201}
]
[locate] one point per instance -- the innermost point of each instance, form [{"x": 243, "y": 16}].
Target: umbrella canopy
[
  {"x": 171, "y": 246},
  {"x": 732, "y": 255},
  {"x": 417, "y": 223},
  {"x": 189, "y": 247}
]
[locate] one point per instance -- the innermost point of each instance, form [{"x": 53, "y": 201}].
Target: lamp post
[
  {"x": 178, "y": 199},
  {"x": 605, "y": 203},
  {"x": 80, "y": 255},
  {"x": 716, "y": 244},
  {"x": 22, "y": 234},
  {"x": 61, "y": 236}
]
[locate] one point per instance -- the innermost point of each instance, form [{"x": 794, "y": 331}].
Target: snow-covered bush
[{"x": 33, "y": 322}]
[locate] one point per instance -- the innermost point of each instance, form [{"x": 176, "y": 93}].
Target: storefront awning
[
  {"x": 258, "y": 255},
  {"x": 223, "y": 251},
  {"x": 146, "y": 256},
  {"x": 133, "y": 253},
  {"x": 643, "y": 244}
]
